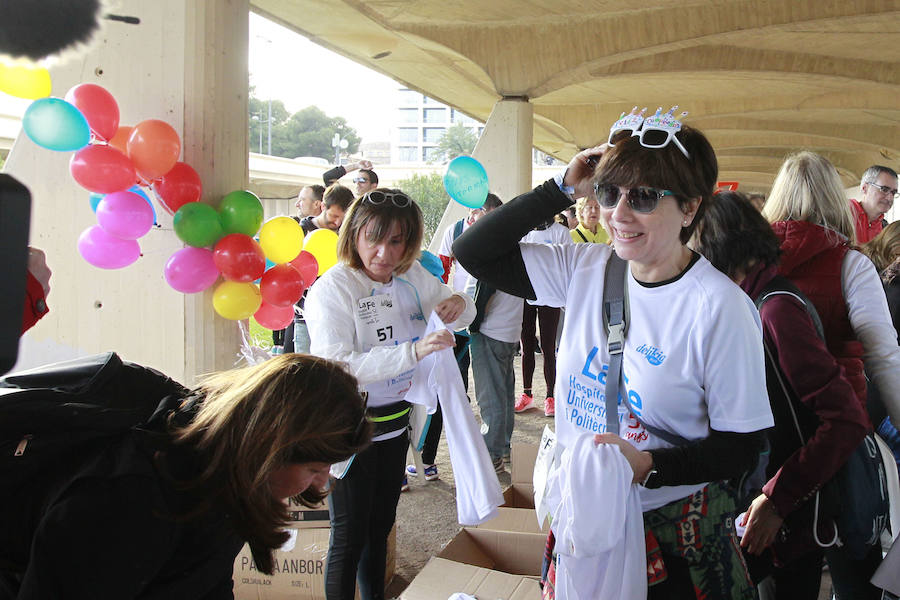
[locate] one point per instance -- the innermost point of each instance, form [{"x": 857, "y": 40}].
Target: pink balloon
[
  {"x": 274, "y": 317},
  {"x": 99, "y": 108},
  {"x": 191, "y": 270},
  {"x": 125, "y": 215},
  {"x": 106, "y": 251},
  {"x": 102, "y": 169}
]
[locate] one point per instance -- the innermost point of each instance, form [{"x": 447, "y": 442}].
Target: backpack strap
[
  {"x": 615, "y": 322},
  {"x": 458, "y": 228},
  {"x": 581, "y": 235},
  {"x": 783, "y": 286}
]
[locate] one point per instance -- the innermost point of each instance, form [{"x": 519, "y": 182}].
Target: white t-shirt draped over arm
[{"x": 871, "y": 321}]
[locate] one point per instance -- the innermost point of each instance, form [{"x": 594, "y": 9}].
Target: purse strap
[{"x": 615, "y": 322}]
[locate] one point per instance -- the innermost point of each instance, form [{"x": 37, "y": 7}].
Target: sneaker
[
  {"x": 499, "y": 469},
  {"x": 549, "y": 407},
  {"x": 411, "y": 471},
  {"x": 524, "y": 403},
  {"x": 431, "y": 473},
  {"x": 404, "y": 487}
]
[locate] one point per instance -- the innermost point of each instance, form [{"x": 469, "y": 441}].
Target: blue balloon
[
  {"x": 140, "y": 192},
  {"x": 54, "y": 124},
  {"x": 466, "y": 181},
  {"x": 95, "y": 200}
]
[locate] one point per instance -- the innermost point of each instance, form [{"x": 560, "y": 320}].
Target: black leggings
[
  {"x": 548, "y": 319},
  {"x": 363, "y": 508}
]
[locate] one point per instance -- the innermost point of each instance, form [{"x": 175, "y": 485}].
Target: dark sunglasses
[
  {"x": 399, "y": 199},
  {"x": 640, "y": 199}
]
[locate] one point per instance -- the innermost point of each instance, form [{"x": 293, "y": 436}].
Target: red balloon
[
  {"x": 178, "y": 187},
  {"x": 282, "y": 285},
  {"x": 308, "y": 267},
  {"x": 239, "y": 258},
  {"x": 99, "y": 108},
  {"x": 153, "y": 147},
  {"x": 274, "y": 317},
  {"x": 102, "y": 169}
]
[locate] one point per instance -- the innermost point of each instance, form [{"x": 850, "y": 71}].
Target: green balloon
[
  {"x": 241, "y": 212},
  {"x": 197, "y": 224}
]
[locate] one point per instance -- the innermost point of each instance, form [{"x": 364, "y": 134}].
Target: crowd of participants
[{"x": 696, "y": 372}]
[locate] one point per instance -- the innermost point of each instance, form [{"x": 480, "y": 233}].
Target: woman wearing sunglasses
[
  {"x": 693, "y": 360},
  {"x": 370, "y": 311}
]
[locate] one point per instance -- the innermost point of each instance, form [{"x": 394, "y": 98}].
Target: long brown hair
[
  {"x": 884, "y": 248},
  {"x": 293, "y": 408}
]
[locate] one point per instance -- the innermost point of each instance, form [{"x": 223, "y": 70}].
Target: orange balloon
[
  {"x": 120, "y": 139},
  {"x": 153, "y": 147}
]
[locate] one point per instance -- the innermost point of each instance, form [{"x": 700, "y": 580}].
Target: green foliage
[
  {"x": 458, "y": 140},
  {"x": 307, "y": 132},
  {"x": 429, "y": 193}
]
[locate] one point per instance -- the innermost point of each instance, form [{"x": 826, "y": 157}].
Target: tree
[
  {"x": 305, "y": 133},
  {"x": 458, "y": 140},
  {"x": 258, "y": 111},
  {"x": 429, "y": 193},
  {"x": 309, "y": 133}
]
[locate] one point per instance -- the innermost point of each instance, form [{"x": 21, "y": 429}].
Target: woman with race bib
[
  {"x": 370, "y": 311},
  {"x": 693, "y": 360}
]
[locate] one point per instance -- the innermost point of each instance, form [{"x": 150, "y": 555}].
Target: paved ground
[{"x": 426, "y": 515}]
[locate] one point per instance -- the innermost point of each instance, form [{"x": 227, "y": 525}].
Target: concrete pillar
[
  {"x": 185, "y": 63},
  {"x": 504, "y": 149}
]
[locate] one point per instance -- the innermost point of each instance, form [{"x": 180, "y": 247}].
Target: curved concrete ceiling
[{"x": 760, "y": 78}]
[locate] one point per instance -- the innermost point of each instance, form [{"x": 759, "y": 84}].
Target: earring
[{"x": 684, "y": 223}]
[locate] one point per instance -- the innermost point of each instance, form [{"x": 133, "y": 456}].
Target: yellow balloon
[
  {"x": 281, "y": 239},
  {"x": 236, "y": 301},
  {"x": 24, "y": 82},
  {"x": 322, "y": 243}
]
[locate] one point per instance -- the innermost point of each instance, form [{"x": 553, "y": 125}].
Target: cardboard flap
[
  {"x": 441, "y": 577},
  {"x": 522, "y": 458},
  {"x": 513, "y": 519},
  {"x": 511, "y": 552}
]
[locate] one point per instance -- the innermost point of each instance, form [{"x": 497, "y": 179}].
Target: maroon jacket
[
  {"x": 819, "y": 383},
  {"x": 812, "y": 258}
]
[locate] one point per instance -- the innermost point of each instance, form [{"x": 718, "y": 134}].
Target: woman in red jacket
[
  {"x": 815, "y": 227},
  {"x": 738, "y": 241}
]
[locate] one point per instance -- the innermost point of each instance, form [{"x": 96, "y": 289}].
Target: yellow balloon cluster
[
  {"x": 281, "y": 239},
  {"x": 322, "y": 243},
  {"x": 24, "y": 81},
  {"x": 235, "y": 301}
]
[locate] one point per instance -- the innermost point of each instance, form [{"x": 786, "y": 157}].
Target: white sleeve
[
  {"x": 332, "y": 334},
  {"x": 432, "y": 291},
  {"x": 871, "y": 321},
  {"x": 551, "y": 267},
  {"x": 447, "y": 241}
]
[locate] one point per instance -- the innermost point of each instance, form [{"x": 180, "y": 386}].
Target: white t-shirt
[
  {"x": 458, "y": 276},
  {"x": 502, "y": 315},
  {"x": 693, "y": 356},
  {"x": 555, "y": 234}
]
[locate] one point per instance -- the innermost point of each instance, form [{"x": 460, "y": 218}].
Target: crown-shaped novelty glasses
[{"x": 653, "y": 132}]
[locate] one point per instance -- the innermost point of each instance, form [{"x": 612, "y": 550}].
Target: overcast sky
[{"x": 317, "y": 76}]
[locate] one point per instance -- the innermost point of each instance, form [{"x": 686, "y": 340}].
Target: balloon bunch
[
  {"x": 112, "y": 161},
  {"x": 263, "y": 278}
]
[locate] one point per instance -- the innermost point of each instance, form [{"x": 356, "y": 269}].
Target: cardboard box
[
  {"x": 441, "y": 577},
  {"x": 299, "y": 568},
  {"x": 517, "y": 512},
  {"x": 303, "y": 517},
  {"x": 483, "y": 563}
]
